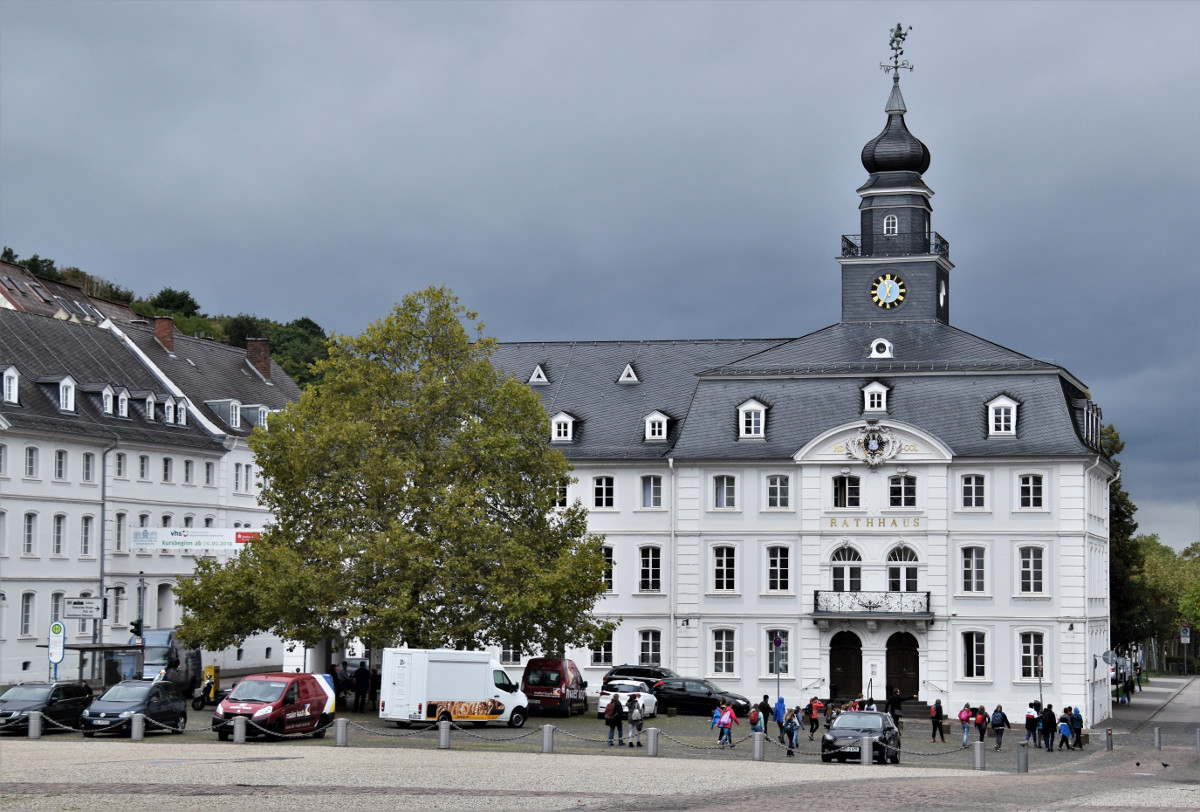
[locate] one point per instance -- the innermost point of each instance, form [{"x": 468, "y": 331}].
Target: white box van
[{"x": 429, "y": 685}]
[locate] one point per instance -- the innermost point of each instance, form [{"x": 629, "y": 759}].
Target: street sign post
[
  {"x": 83, "y": 608},
  {"x": 58, "y": 644}
]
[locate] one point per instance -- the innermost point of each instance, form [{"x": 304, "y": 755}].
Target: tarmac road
[{"x": 194, "y": 772}]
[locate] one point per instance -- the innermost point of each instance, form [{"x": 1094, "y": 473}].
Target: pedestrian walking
[
  {"x": 937, "y": 715},
  {"x": 1031, "y": 724},
  {"x": 999, "y": 722},
  {"x": 1137, "y": 671},
  {"x": 758, "y": 722},
  {"x": 1049, "y": 723},
  {"x": 778, "y": 715},
  {"x": 634, "y": 711},
  {"x": 1064, "y": 729},
  {"x": 791, "y": 730},
  {"x": 981, "y": 721},
  {"x": 614, "y": 716},
  {"x": 362, "y": 686},
  {"x": 814, "y": 721},
  {"x": 1077, "y": 727},
  {"x": 766, "y": 712},
  {"x": 893, "y": 705},
  {"x": 728, "y": 720},
  {"x": 716, "y": 718},
  {"x": 964, "y": 718}
]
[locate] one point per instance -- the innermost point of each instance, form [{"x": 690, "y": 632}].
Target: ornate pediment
[{"x": 873, "y": 444}]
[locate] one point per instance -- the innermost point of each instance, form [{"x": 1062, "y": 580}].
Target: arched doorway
[
  {"x": 903, "y": 664},
  {"x": 845, "y": 666}
]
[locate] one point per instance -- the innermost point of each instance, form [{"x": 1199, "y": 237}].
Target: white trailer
[{"x": 429, "y": 685}]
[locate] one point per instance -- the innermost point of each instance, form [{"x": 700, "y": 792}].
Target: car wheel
[
  {"x": 881, "y": 758},
  {"x": 222, "y": 736},
  {"x": 517, "y": 719},
  {"x": 180, "y": 724},
  {"x": 322, "y": 725},
  {"x": 896, "y": 756}
]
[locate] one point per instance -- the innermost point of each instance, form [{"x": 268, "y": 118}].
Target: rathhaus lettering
[{"x": 882, "y": 522}]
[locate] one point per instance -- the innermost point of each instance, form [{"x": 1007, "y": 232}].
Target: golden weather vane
[{"x": 899, "y": 34}]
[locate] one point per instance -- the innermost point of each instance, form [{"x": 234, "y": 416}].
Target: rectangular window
[
  {"x": 723, "y": 651},
  {"x": 974, "y": 660},
  {"x": 1002, "y": 420},
  {"x": 85, "y": 536},
  {"x": 3, "y": 459},
  {"x": 603, "y": 653},
  {"x": 902, "y": 579},
  {"x": 509, "y": 654},
  {"x": 58, "y": 538},
  {"x": 1031, "y": 654},
  {"x": 777, "y": 657},
  {"x": 724, "y": 492},
  {"x": 972, "y": 491},
  {"x": 60, "y": 464},
  {"x": 778, "y": 569},
  {"x": 237, "y": 477},
  {"x": 29, "y": 534},
  {"x": 1031, "y": 490},
  {"x": 187, "y": 472},
  {"x": 650, "y": 652},
  {"x": 168, "y": 463},
  {"x": 89, "y": 467},
  {"x": 208, "y": 473},
  {"x": 27, "y": 614},
  {"x": 847, "y": 578},
  {"x": 778, "y": 491},
  {"x": 972, "y": 562},
  {"x": 902, "y": 491},
  {"x": 560, "y": 495},
  {"x": 845, "y": 492},
  {"x": 31, "y": 462},
  {"x": 752, "y": 423},
  {"x": 56, "y": 606},
  {"x": 603, "y": 492},
  {"x": 651, "y": 574},
  {"x": 143, "y": 467},
  {"x": 1031, "y": 570},
  {"x": 119, "y": 532},
  {"x": 724, "y": 569},
  {"x": 120, "y": 466},
  {"x": 608, "y": 569},
  {"x": 651, "y": 492}
]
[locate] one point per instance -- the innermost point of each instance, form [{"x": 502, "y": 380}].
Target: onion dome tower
[{"x": 897, "y": 267}]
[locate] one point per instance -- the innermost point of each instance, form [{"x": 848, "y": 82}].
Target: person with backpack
[
  {"x": 765, "y": 711},
  {"x": 999, "y": 722},
  {"x": 791, "y": 730},
  {"x": 778, "y": 714},
  {"x": 614, "y": 715},
  {"x": 635, "y": 722},
  {"x": 1049, "y": 723},
  {"x": 981, "y": 721},
  {"x": 1064, "y": 729},
  {"x": 1031, "y": 725},
  {"x": 728, "y": 720},
  {"x": 1077, "y": 728},
  {"x": 756, "y": 719},
  {"x": 965, "y": 716},
  {"x": 937, "y": 715},
  {"x": 716, "y": 718},
  {"x": 814, "y": 721}
]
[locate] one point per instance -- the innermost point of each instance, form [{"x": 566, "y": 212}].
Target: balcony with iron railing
[
  {"x": 912, "y": 244},
  {"x": 876, "y": 605}
]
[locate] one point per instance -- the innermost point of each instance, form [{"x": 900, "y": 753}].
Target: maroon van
[{"x": 554, "y": 686}]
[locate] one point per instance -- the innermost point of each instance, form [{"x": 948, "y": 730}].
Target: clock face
[{"x": 887, "y": 291}]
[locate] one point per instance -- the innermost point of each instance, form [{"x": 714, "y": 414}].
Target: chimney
[
  {"x": 258, "y": 352},
  {"x": 164, "y": 331}
]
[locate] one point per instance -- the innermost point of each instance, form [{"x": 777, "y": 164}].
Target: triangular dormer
[
  {"x": 107, "y": 399},
  {"x": 562, "y": 428},
  {"x": 628, "y": 375},
  {"x": 656, "y": 427},
  {"x": 538, "y": 378},
  {"x": 66, "y": 394}
]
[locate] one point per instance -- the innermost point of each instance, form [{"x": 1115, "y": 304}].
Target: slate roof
[
  {"x": 44, "y": 350},
  {"x": 940, "y": 380},
  {"x": 205, "y": 370},
  {"x": 45, "y": 297}
]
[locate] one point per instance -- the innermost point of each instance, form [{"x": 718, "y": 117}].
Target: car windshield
[
  {"x": 543, "y": 676},
  {"x": 27, "y": 692},
  {"x": 126, "y": 693},
  {"x": 858, "y": 721},
  {"x": 157, "y": 655},
  {"x": 258, "y": 690},
  {"x": 626, "y": 687}
]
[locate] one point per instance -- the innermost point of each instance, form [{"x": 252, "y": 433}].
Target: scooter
[{"x": 206, "y": 694}]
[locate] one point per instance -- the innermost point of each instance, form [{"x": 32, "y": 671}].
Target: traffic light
[{"x": 135, "y": 628}]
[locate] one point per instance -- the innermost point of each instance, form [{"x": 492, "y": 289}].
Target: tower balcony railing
[
  {"x": 910, "y": 244},
  {"x": 913, "y": 605}
]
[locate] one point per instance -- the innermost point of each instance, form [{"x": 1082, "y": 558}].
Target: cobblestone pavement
[{"x": 492, "y": 769}]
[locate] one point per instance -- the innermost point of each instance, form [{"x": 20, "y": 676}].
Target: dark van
[
  {"x": 277, "y": 704},
  {"x": 554, "y": 686}
]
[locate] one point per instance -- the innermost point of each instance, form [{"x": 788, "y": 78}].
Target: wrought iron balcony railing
[
  {"x": 854, "y": 604},
  {"x": 895, "y": 245}
]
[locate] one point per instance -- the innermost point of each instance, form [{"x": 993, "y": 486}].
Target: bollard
[
  {"x": 138, "y": 732},
  {"x": 1023, "y": 757},
  {"x": 341, "y": 730},
  {"x": 864, "y": 750},
  {"x": 547, "y": 738},
  {"x": 444, "y": 734},
  {"x": 239, "y": 730},
  {"x": 1158, "y": 738},
  {"x": 35, "y": 724},
  {"x": 980, "y": 763},
  {"x": 1108, "y": 739},
  {"x": 652, "y": 741},
  {"x": 758, "y": 746}
]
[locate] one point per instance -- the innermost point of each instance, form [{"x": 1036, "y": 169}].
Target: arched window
[
  {"x": 902, "y": 577},
  {"x": 846, "y": 577},
  {"x": 891, "y": 226}
]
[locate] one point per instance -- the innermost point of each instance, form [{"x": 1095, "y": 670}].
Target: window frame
[
  {"x": 29, "y": 534},
  {"x": 891, "y": 225},
  {"x": 778, "y": 492},
  {"x": 609, "y": 569},
  {"x": 785, "y": 652},
  {"x": 752, "y": 420},
  {"x": 1037, "y": 495},
  {"x": 724, "y": 568},
  {"x": 58, "y": 536},
  {"x": 875, "y": 398},
  {"x": 32, "y": 463},
  {"x": 651, "y": 500},
  {"x": 86, "y": 526},
  {"x": 602, "y": 655},
  {"x": 903, "y": 574},
  {"x": 847, "y": 488},
  {"x": 777, "y": 569},
  {"x": 724, "y": 492},
  {"x": 907, "y": 499},
  {"x": 62, "y": 463},
  {"x": 979, "y": 492},
  {"x": 974, "y": 664},
  {"x": 650, "y": 569},
  {"x": 1002, "y": 417},
  {"x": 649, "y": 647},
  {"x": 608, "y": 495},
  {"x": 723, "y": 662},
  {"x": 845, "y": 572},
  {"x": 1028, "y": 652},
  {"x": 1042, "y": 575},
  {"x": 978, "y": 570},
  {"x": 12, "y": 386}
]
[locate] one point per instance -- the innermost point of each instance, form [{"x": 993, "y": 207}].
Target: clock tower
[{"x": 897, "y": 268}]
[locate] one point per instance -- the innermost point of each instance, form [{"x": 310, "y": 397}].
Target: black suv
[
  {"x": 648, "y": 674},
  {"x": 59, "y": 702}
]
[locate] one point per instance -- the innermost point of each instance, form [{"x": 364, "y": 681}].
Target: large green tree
[
  {"x": 1130, "y": 620},
  {"x": 414, "y": 493}
]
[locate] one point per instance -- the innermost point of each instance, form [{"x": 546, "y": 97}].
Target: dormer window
[
  {"x": 235, "y": 414},
  {"x": 562, "y": 428},
  {"x": 169, "y": 410},
  {"x": 1002, "y": 417},
  {"x": 122, "y": 404},
  {"x": 752, "y": 420},
  {"x": 891, "y": 226},
  {"x": 66, "y": 394},
  {"x": 538, "y": 378},
  {"x": 656, "y": 427},
  {"x": 881, "y": 348},
  {"x": 181, "y": 413},
  {"x": 150, "y": 404},
  {"x": 12, "y": 380},
  {"x": 106, "y": 399},
  {"x": 875, "y": 397},
  {"x": 628, "y": 375},
  {"x": 262, "y": 416}
]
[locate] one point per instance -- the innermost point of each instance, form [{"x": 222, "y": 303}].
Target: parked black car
[
  {"x": 59, "y": 702},
  {"x": 159, "y": 702},
  {"x": 692, "y": 695},
  {"x": 648, "y": 674},
  {"x": 845, "y": 732}
]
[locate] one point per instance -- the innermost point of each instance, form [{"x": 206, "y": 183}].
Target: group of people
[
  {"x": 724, "y": 718},
  {"x": 1041, "y": 725},
  {"x": 364, "y": 683},
  {"x": 615, "y": 715}
]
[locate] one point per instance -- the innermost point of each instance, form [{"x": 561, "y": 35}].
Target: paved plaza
[{"x": 500, "y": 768}]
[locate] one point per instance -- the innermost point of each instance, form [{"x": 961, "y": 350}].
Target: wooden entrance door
[
  {"x": 903, "y": 664},
  {"x": 845, "y": 666}
]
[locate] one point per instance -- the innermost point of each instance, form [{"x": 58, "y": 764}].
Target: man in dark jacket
[
  {"x": 1049, "y": 722},
  {"x": 893, "y": 705},
  {"x": 362, "y": 685}
]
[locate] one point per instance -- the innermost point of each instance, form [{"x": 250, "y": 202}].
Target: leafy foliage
[
  {"x": 413, "y": 489},
  {"x": 1127, "y": 593}
]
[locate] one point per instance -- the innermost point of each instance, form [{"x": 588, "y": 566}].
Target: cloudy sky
[{"x": 611, "y": 170}]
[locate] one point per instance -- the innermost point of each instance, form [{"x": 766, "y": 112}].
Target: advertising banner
[{"x": 192, "y": 538}]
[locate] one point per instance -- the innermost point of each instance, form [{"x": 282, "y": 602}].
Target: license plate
[
  {"x": 849, "y": 749},
  {"x": 100, "y": 722}
]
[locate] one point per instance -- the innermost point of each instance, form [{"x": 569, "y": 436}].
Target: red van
[
  {"x": 277, "y": 704},
  {"x": 554, "y": 686}
]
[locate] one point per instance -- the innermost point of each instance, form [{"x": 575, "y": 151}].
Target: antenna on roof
[{"x": 899, "y": 34}]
